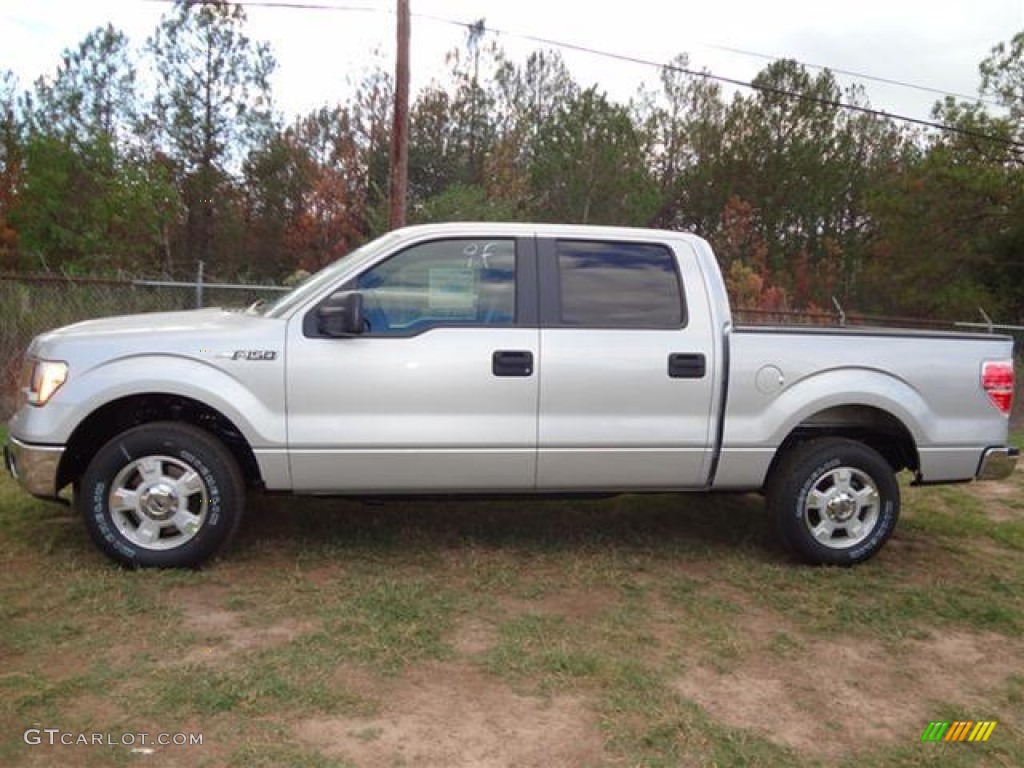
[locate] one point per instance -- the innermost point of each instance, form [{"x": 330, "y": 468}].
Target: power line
[
  {"x": 763, "y": 88},
  {"x": 712, "y": 46},
  {"x": 853, "y": 73},
  {"x": 704, "y": 74},
  {"x": 1017, "y": 145},
  {"x": 283, "y": 4}
]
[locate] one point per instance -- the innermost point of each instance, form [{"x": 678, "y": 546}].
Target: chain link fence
[
  {"x": 30, "y": 305},
  {"x": 841, "y": 318}
]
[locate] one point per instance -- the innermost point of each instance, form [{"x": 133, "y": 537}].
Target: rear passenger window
[{"x": 619, "y": 285}]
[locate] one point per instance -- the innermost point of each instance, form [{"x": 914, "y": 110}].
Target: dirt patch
[
  {"x": 1002, "y": 499},
  {"x": 833, "y": 698},
  {"x": 60, "y": 665},
  {"x": 575, "y": 605},
  {"x": 473, "y": 637},
  {"x": 997, "y": 555},
  {"x": 92, "y": 710},
  {"x": 450, "y": 715},
  {"x": 222, "y": 632}
]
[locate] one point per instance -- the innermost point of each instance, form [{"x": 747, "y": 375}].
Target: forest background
[{"x": 141, "y": 158}]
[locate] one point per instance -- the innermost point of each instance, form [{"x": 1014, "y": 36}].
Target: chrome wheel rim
[
  {"x": 842, "y": 508},
  {"x": 158, "y": 502}
]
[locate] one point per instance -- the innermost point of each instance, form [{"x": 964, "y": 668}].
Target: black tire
[
  {"x": 841, "y": 489},
  {"x": 142, "y": 506}
]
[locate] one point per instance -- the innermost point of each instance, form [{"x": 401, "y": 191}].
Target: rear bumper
[
  {"x": 997, "y": 463},
  {"x": 34, "y": 466}
]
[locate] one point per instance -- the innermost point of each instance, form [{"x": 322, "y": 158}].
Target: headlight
[{"x": 44, "y": 377}]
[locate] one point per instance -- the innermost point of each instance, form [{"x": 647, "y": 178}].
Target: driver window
[{"x": 442, "y": 283}]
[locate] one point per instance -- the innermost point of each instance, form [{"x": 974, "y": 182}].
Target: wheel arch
[
  {"x": 875, "y": 427},
  {"x": 123, "y": 413}
]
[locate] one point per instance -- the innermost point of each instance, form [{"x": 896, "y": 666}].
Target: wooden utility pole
[{"x": 400, "y": 129}]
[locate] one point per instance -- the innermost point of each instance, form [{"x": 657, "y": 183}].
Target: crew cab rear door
[{"x": 627, "y": 369}]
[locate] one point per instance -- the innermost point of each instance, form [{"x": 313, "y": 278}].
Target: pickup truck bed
[{"x": 890, "y": 381}]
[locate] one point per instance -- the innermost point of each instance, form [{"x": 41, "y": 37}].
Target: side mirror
[{"x": 341, "y": 315}]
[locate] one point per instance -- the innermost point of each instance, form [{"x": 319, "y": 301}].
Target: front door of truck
[{"x": 440, "y": 391}]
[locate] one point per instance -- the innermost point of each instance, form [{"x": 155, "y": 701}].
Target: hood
[
  {"x": 197, "y": 333},
  {"x": 188, "y": 322}
]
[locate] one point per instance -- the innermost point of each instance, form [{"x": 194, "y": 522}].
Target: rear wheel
[
  {"x": 164, "y": 495},
  {"x": 835, "y": 501}
]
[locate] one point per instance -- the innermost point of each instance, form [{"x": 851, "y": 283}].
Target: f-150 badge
[{"x": 250, "y": 354}]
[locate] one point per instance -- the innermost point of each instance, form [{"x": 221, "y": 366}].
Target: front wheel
[
  {"x": 163, "y": 495},
  {"x": 835, "y": 501}
]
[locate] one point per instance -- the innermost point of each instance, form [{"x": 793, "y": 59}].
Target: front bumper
[
  {"x": 997, "y": 463},
  {"x": 34, "y": 466}
]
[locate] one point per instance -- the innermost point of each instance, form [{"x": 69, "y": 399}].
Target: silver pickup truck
[{"x": 501, "y": 359}]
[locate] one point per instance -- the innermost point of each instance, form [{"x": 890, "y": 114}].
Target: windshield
[{"x": 320, "y": 280}]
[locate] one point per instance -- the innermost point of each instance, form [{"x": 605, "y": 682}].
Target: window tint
[
  {"x": 619, "y": 285},
  {"x": 443, "y": 283}
]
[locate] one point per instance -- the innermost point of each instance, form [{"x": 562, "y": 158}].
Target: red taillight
[{"x": 997, "y": 380}]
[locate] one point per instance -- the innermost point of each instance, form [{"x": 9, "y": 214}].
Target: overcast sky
[{"x": 933, "y": 43}]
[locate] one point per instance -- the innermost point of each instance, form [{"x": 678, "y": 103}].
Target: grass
[{"x": 338, "y": 612}]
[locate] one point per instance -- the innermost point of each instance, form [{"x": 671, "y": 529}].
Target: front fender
[{"x": 252, "y": 399}]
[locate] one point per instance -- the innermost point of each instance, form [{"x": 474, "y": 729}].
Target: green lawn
[{"x": 638, "y": 631}]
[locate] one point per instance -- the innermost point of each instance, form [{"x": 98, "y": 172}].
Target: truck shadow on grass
[{"x": 666, "y": 523}]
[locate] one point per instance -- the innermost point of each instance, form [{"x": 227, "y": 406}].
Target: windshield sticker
[{"x": 451, "y": 291}]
